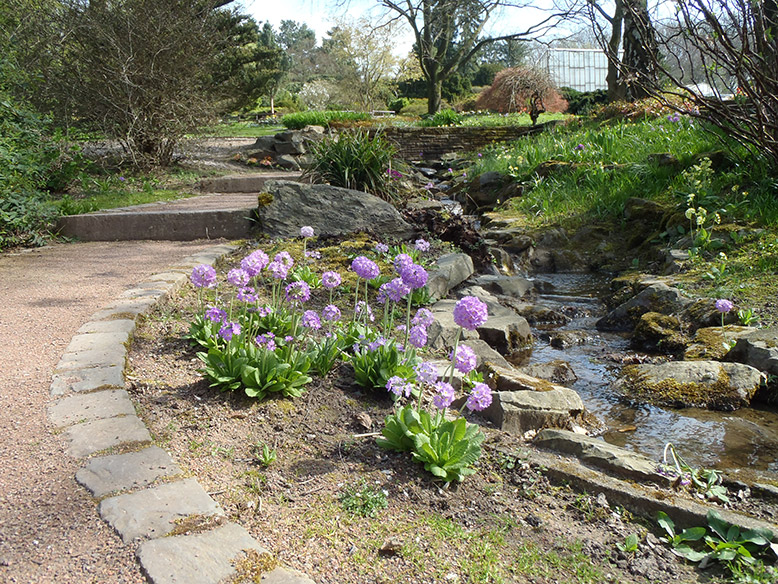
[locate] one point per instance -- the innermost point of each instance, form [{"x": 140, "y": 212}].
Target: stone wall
[{"x": 432, "y": 143}]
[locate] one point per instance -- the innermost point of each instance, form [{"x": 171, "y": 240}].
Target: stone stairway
[{"x": 224, "y": 211}]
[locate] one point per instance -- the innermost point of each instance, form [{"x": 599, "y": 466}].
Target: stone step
[{"x": 244, "y": 183}]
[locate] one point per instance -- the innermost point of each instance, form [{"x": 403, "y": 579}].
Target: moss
[
  {"x": 672, "y": 393},
  {"x": 659, "y": 331},
  {"x": 708, "y": 343},
  {"x": 264, "y": 199},
  {"x": 251, "y": 566},
  {"x": 196, "y": 524}
]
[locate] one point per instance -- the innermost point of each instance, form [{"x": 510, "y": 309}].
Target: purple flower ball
[
  {"x": 724, "y": 306},
  {"x": 255, "y": 262},
  {"x": 470, "y": 313},
  {"x": 365, "y": 268},
  {"x": 417, "y": 336},
  {"x": 238, "y": 277},
  {"x": 285, "y": 258},
  {"x": 278, "y": 269},
  {"x": 313, "y": 254},
  {"x": 381, "y": 248},
  {"x": 399, "y": 386},
  {"x": 422, "y": 245},
  {"x": 228, "y": 330},
  {"x": 480, "y": 398},
  {"x": 445, "y": 396},
  {"x": 298, "y": 292},
  {"x": 306, "y": 231},
  {"x": 215, "y": 314},
  {"x": 423, "y": 317},
  {"x": 330, "y": 279},
  {"x": 247, "y": 294},
  {"x": 204, "y": 276},
  {"x": 396, "y": 289},
  {"x": 414, "y": 276},
  {"x": 331, "y": 313},
  {"x": 401, "y": 260},
  {"x": 426, "y": 372},
  {"x": 311, "y": 320},
  {"x": 465, "y": 359}
]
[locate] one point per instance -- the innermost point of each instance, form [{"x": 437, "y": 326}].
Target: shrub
[
  {"x": 355, "y": 160},
  {"x": 442, "y": 118},
  {"x": 582, "y": 102},
  {"x": 299, "y": 120},
  {"x": 397, "y": 105},
  {"x": 521, "y": 89}
]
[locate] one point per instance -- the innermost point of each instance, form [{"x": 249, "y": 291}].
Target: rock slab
[
  {"x": 122, "y": 472},
  {"x": 91, "y": 406},
  {"x": 91, "y": 437}
]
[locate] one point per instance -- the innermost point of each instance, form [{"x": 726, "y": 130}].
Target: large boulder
[
  {"x": 759, "y": 349},
  {"x": 449, "y": 272},
  {"x": 655, "y": 332},
  {"x": 715, "y": 343},
  {"x": 556, "y": 371},
  {"x": 658, "y": 297},
  {"x": 522, "y": 403},
  {"x": 443, "y": 331},
  {"x": 514, "y": 286},
  {"x": 701, "y": 384},
  {"x": 286, "y": 206}
]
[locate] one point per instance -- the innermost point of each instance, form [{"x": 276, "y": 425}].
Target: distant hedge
[{"x": 299, "y": 120}]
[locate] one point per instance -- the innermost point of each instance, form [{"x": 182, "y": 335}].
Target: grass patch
[
  {"x": 242, "y": 130},
  {"x": 76, "y": 205}
]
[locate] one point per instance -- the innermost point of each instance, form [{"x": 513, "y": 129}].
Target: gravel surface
[{"x": 49, "y": 527}]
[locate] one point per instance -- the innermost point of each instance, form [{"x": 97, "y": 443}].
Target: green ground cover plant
[
  {"x": 244, "y": 129},
  {"x": 298, "y": 120}
]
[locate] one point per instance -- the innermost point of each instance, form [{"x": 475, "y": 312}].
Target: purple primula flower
[
  {"x": 373, "y": 345},
  {"x": 362, "y": 306},
  {"x": 313, "y": 254},
  {"x": 423, "y": 317},
  {"x": 330, "y": 279},
  {"x": 400, "y": 328},
  {"x": 480, "y": 398},
  {"x": 247, "y": 294},
  {"x": 396, "y": 289},
  {"x": 306, "y": 231},
  {"x": 402, "y": 260},
  {"x": 417, "y": 336},
  {"x": 465, "y": 360},
  {"x": 285, "y": 258},
  {"x": 265, "y": 310},
  {"x": 311, "y": 320},
  {"x": 470, "y": 312},
  {"x": 399, "y": 386},
  {"x": 395, "y": 175},
  {"x": 238, "y": 277},
  {"x": 228, "y": 330},
  {"x": 331, "y": 313},
  {"x": 204, "y": 276},
  {"x": 580, "y": 147},
  {"x": 215, "y": 314},
  {"x": 445, "y": 396},
  {"x": 267, "y": 340},
  {"x": 255, "y": 262},
  {"x": 422, "y": 245},
  {"x": 365, "y": 268},
  {"x": 723, "y": 305},
  {"x": 426, "y": 372},
  {"x": 674, "y": 117},
  {"x": 381, "y": 248},
  {"x": 429, "y": 186},
  {"x": 288, "y": 338},
  {"x": 278, "y": 270},
  {"x": 414, "y": 276},
  {"x": 298, "y": 292}
]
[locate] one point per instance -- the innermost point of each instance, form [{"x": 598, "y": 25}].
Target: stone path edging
[{"x": 143, "y": 495}]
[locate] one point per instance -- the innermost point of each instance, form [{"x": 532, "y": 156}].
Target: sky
[{"x": 320, "y": 15}]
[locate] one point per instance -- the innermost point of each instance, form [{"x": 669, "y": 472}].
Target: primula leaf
[
  {"x": 692, "y": 534},
  {"x": 666, "y": 523},
  {"x": 685, "y": 551},
  {"x": 718, "y": 525}
]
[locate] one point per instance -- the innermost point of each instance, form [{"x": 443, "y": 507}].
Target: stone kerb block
[
  {"x": 153, "y": 512},
  {"x": 91, "y": 406},
  {"x": 123, "y": 326},
  {"x": 87, "y": 379},
  {"x": 97, "y": 435},
  {"x": 109, "y": 356},
  {"x": 99, "y": 341},
  {"x": 122, "y": 472},
  {"x": 203, "y": 558}
]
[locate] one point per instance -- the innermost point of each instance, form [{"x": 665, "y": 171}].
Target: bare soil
[{"x": 507, "y": 523}]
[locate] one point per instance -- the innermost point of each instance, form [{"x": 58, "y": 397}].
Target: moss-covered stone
[{"x": 659, "y": 332}]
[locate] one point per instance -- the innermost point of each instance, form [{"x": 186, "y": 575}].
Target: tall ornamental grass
[{"x": 299, "y": 120}]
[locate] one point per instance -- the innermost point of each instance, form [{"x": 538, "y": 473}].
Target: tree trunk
[
  {"x": 434, "y": 87},
  {"x": 616, "y": 89},
  {"x": 640, "y": 50}
]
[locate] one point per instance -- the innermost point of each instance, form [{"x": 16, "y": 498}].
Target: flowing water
[{"x": 744, "y": 439}]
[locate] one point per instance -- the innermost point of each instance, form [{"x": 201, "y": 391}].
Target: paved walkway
[{"x": 49, "y": 527}]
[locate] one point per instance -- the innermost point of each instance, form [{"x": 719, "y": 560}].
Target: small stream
[{"x": 744, "y": 439}]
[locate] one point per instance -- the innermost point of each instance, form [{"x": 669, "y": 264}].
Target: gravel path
[{"x": 49, "y": 527}]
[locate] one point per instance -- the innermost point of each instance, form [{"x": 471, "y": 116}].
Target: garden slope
[{"x": 49, "y": 527}]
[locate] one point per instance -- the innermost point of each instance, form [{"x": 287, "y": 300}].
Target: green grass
[
  {"x": 69, "y": 205},
  {"x": 242, "y": 130}
]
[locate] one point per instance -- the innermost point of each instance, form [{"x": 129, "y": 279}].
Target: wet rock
[
  {"x": 566, "y": 339},
  {"x": 442, "y": 333},
  {"x": 702, "y": 384},
  {"x": 508, "y": 334},
  {"x": 449, "y": 272},
  {"x": 556, "y": 371},
  {"x": 486, "y": 190},
  {"x": 539, "y": 315},
  {"x": 659, "y": 332},
  {"x": 502, "y": 261},
  {"x": 658, "y": 297},
  {"x": 713, "y": 343},
  {"x": 644, "y": 210},
  {"x": 514, "y": 286},
  {"x": 601, "y": 454},
  {"x": 329, "y": 210},
  {"x": 759, "y": 349},
  {"x": 522, "y": 403},
  {"x": 486, "y": 354}
]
